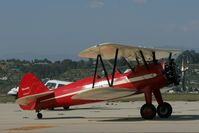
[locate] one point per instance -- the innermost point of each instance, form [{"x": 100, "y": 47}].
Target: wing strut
[
  {"x": 96, "y": 64},
  {"x": 137, "y": 60},
  {"x": 99, "y": 57},
  {"x": 145, "y": 63},
  {"x": 115, "y": 63},
  {"x": 105, "y": 72},
  {"x": 154, "y": 58},
  {"x": 128, "y": 64}
]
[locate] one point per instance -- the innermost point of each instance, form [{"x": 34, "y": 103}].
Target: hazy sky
[{"x": 58, "y": 29}]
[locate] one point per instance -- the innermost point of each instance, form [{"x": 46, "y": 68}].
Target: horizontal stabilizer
[
  {"x": 30, "y": 98},
  {"x": 108, "y": 93}
]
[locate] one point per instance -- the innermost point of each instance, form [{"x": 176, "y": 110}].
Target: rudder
[
  {"x": 30, "y": 85},
  {"x": 30, "y": 89}
]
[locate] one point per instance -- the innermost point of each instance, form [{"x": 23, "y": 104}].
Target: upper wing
[
  {"x": 107, "y": 93},
  {"x": 107, "y": 51}
]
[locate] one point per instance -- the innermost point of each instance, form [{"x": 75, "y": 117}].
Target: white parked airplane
[{"x": 50, "y": 84}]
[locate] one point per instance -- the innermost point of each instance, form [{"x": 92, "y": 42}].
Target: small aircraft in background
[
  {"x": 148, "y": 76},
  {"x": 50, "y": 84},
  {"x": 13, "y": 92}
]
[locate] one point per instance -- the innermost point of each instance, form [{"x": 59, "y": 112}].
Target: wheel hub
[{"x": 164, "y": 110}]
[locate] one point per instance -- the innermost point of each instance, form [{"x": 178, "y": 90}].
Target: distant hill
[
  {"x": 67, "y": 69},
  {"x": 189, "y": 55}
]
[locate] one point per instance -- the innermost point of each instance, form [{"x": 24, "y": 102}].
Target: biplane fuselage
[
  {"x": 147, "y": 78},
  {"x": 137, "y": 81}
]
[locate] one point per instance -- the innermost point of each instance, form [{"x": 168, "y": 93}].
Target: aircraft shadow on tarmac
[
  {"x": 172, "y": 118},
  {"x": 54, "y": 118},
  {"x": 119, "y": 119},
  {"x": 91, "y": 108},
  {"x": 130, "y": 119}
]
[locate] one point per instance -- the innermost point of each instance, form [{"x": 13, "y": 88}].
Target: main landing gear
[
  {"x": 148, "y": 110},
  {"x": 164, "y": 110}
]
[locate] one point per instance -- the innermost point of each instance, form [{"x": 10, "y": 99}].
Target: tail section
[
  {"x": 30, "y": 85},
  {"x": 30, "y": 89}
]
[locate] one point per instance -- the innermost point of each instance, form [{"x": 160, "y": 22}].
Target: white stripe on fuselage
[
  {"x": 104, "y": 83},
  {"x": 143, "y": 77}
]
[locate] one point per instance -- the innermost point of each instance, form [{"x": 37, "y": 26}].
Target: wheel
[
  {"x": 164, "y": 110},
  {"x": 39, "y": 115},
  {"x": 148, "y": 111},
  {"x": 66, "y": 107}
]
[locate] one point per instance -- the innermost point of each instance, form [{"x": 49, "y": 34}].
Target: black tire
[
  {"x": 148, "y": 111},
  {"x": 66, "y": 107},
  {"x": 39, "y": 115},
  {"x": 164, "y": 110}
]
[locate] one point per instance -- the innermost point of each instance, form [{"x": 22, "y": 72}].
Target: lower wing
[{"x": 107, "y": 93}]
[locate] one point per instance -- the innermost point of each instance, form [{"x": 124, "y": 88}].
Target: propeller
[{"x": 172, "y": 71}]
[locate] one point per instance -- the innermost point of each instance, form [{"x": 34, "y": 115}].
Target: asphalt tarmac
[{"x": 114, "y": 117}]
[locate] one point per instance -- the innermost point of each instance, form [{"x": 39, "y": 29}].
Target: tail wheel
[
  {"x": 39, "y": 115},
  {"x": 148, "y": 111},
  {"x": 164, "y": 110}
]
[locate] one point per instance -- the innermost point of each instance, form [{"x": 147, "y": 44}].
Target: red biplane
[{"x": 148, "y": 76}]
